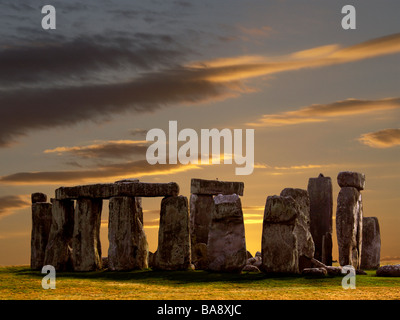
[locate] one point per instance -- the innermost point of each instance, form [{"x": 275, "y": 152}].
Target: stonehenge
[{"x": 207, "y": 232}]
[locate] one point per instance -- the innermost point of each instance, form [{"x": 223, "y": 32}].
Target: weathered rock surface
[
  {"x": 333, "y": 271},
  {"x": 351, "y": 179},
  {"x": 86, "y": 246},
  {"x": 201, "y": 209},
  {"x": 173, "y": 251},
  {"x": 250, "y": 268},
  {"x": 226, "y": 238},
  {"x": 128, "y": 248},
  {"x": 38, "y": 197},
  {"x": 59, "y": 245},
  {"x": 127, "y": 189},
  {"x": 248, "y": 254},
  {"x": 104, "y": 262},
  {"x": 150, "y": 260},
  {"x": 349, "y": 216},
  {"x": 389, "y": 271},
  {"x": 199, "y": 256},
  {"x": 41, "y": 224},
  {"x": 279, "y": 242},
  {"x": 371, "y": 244},
  {"x": 314, "y": 272},
  {"x": 305, "y": 243},
  {"x": 321, "y": 204},
  {"x": 216, "y": 187}
]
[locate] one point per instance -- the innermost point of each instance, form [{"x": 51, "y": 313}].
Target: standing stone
[
  {"x": 321, "y": 204},
  {"x": 199, "y": 256},
  {"x": 201, "y": 209},
  {"x": 173, "y": 251},
  {"x": 59, "y": 246},
  {"x": 279, "y": 242},
  {"x": 226, "y": 237},
  {"x": 349, "y": 216},
  {"x": 371, "y": 243},
  {"x": 38, "y": 197},
  {"x": 86, "y": 246},
  {"x": 41, "y": 224},
  {"x": 305, "y": 243},
  {"x": 128, "y": 247},
  {"x": 327, "y": 249}
]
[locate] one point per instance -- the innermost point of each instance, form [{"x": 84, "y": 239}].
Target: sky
[{"x": 76, "y": 102}]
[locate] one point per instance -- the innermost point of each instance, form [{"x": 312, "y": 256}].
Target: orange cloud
[
  {"x": 386, "y": 138},
  {"x": 12, "y": 202}
]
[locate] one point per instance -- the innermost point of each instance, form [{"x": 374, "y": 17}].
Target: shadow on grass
[{"x": 178, "y": 277}]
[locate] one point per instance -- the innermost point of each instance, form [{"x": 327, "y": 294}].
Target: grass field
[{"x": 21, "y": 283}]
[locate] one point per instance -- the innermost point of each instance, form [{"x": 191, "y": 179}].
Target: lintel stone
[{"x": 215, "y": 187}]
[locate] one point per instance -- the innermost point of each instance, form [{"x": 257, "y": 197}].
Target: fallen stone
[
  {"x": 371, "y": 244},
  {"x": 201, "y": 209},
  {"x": 128, "y": 248},
  {"x": 41, "y": 225},
  {"x": 314, "y": 272},
  {"x": 321, "y": 204},
  {"x": 199, "y": 256},
  {"x": 250, "y": 268},
  {"x": 126, "y": 189},
  {"x": 86, "y": 246},
  {"x": 38, "y": 197},
  {"x": 351, "y": 179},
  {"x": 334, "y": 271},
  {"x": 360, "y": 272},
  {"x": 389, "y": 271},
  {"x": 216, "y": 187},
  {"x": 258, "y": 254},
  {"x": 59, "y": 246},
  {"x": 349, "y": 217},
  {"x": 248, "y": 255},
  {"x": 251, "y": 261},
  {"x": 173, "y": 251},
  {"x": 226, "y": 238}
]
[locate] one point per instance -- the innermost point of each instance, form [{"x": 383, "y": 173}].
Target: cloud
[
  {"x": 102, "y": 173},
  {"x": 324, "y": 112},
  {"x": 386, "y": 138},
  {"x": 97, "y": 93},
  {"x": 12, "y": 202},
  {"x": 114, "y": 149},
  {"x": 263, "y": 31}
]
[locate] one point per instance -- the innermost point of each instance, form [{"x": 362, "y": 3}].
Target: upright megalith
[
  {"x": 59, "y": 246},
  {"x": 86, "y": 246},
  {"x": 371, "y": 243},
  {"x": 321, "y": 208},
  {"x": 41, "y": 224},
  {"x": 226, "y": 238},
  {"x": 305, "y": 243},
  {"x": 128, "y": 248},
  {"x": 173, "y": 251},
  {"x": 279, "y": 242},
  {"x": 349, "y": 218}
]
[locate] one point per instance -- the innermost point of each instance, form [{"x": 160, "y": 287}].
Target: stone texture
[
  {"x": 150, "y": 259},
  {"x": 38, "y": 197},
  {"x": 127, "y": 189},
  {"x": 128, "y": 248},
  {"x": 59, "y": 246},
  {"x": 86, "y": 246},
  {"x": 332, "y": 271},
  {"x": 279, "y": 242},
  {"x": 250, "y": 268},
  {"x": 173, "y": 251},
  {"x": 371, "y": 243},
  {"x": 327, "y": 245},
  {"x": 201, "y": 208},
  {"x": 305, "y": 243},
  {"x": 351, "y": 179},
  {"x": 41, "y": 224},
  {"x": 389, "y": 271},
  {"x": 226, "y": 238},
  {"x": 216, "y": 187},
  {"x": 199, "y": 256},
  {"x": 349, "y": 216},
  {"x": 104, "y": 262},
  {"x": 321, "y": 204},
  {"x": 248, "y": 254},
  {"x": 314, "y": 272}
]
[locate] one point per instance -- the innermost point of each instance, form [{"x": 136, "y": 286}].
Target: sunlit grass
[{"x": 22, "y": 283}]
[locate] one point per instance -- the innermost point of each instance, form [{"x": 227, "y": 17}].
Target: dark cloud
[
  {"x": 138, "y": 132},
  {"x": 10, "y": 202},
  {"x": 111, "y": 171},
  {"x": 120, "y": 149}
]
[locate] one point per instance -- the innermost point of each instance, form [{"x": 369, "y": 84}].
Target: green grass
[{"x": 19, "y": 282}]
